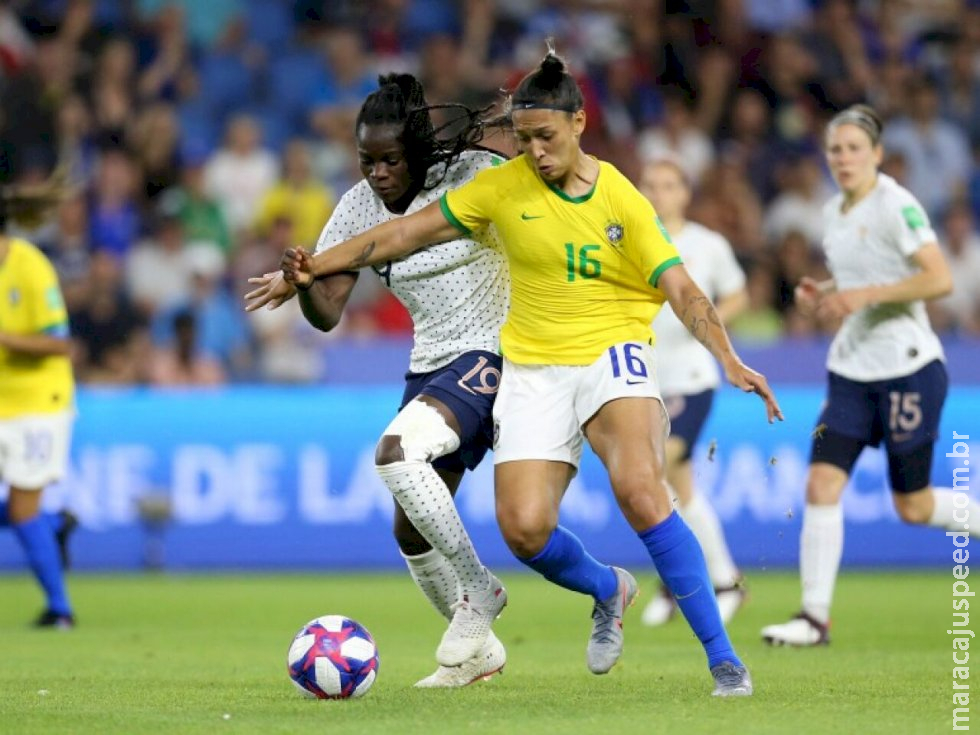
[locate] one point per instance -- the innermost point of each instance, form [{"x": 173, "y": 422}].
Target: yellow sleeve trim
[
  {"x": 655, "y": 277},
  {"x": 448, "y": 214}
]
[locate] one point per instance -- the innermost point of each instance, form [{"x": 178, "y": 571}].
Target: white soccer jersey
[
  {"x": 872, "y": 245},
  {"x": 456, "y": 291},
  {"x": 684, "y": 365}
]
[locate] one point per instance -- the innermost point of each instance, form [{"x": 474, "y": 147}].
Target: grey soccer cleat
[
  {"x": 731, "y": 680},
  {"x": 606, "y": 643}
]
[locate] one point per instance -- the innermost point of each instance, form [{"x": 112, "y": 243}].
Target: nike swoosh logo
[
  {"x": 634, "y": 382},
  {"x": 526, "y": 216},
  {"x": 684, "y": 597}
]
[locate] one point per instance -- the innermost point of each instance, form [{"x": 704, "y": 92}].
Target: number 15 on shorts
[{"x": 627, "y": 362}]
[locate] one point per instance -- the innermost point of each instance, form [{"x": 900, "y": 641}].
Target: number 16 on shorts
[{"x": 627, "y": 361}]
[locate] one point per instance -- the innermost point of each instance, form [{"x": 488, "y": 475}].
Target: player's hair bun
[{"x": 552, "y": 68}]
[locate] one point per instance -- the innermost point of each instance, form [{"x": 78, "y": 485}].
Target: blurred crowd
[{"x": 202, "y": 137}]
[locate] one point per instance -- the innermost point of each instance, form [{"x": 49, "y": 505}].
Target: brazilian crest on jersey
[{"x": 614, "y": 234}]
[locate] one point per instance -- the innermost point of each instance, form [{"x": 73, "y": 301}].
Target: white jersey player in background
[
  {"x": 887, "y": 376},
  {"x": 456, "y": 293},
  {"x": 689, "y": 376}
]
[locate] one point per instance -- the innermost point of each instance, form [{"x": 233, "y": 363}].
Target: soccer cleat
[
  {"x": 660, "y": 609},
  {"x": 54, "y": 620},
  {"x": 802, "y": 631},
  {"x": 731, "y": 680},
  {"x": 606, "y": 642},
  {"x": 489, "y": 661},
  {"x": 730, "y": 599},
  {"x": 470, "y": 627},
  {"x": 69, "y": 522}
]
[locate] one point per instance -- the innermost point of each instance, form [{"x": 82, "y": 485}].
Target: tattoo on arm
[
  {"x": 697, "y": 313},
  {"x": 361, "y": 260}
]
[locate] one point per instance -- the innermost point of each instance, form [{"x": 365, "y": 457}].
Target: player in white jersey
[
  {"x": 887, "y": 377},
  {"x": 689, "y": 376},
  {"x": 456, "y": 293}
]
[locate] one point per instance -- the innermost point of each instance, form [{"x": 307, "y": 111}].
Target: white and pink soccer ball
[{"x": 333, "y": 657}]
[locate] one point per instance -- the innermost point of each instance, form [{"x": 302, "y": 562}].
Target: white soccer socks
[
  {"x": 948, "y": 508},
  {"x": 821, "y": 546}
]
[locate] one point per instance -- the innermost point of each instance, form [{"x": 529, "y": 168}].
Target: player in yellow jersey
[
  {"x": 36, "y": 407},
  {"x": 590, "y": 267}
]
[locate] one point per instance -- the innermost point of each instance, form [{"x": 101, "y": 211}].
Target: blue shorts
[
  {"x": 687, "y": 417},
  {"x": 468, "y": 386},
  {"x": 901, "y": 412}
]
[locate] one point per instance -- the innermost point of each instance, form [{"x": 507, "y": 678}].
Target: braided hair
[{"x": 400, "y": 100}]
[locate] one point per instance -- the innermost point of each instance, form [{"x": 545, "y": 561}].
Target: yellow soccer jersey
[
  {"x": 583, "y": 270},
  {"x": 31, "y": 303}
]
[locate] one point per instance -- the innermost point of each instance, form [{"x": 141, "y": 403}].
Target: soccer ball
[{"x": 333, "y": 657}]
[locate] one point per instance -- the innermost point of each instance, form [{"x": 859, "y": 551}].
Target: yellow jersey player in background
[
  {"x": 590, "y": 267},
  {"x": 36, "y": 403}
]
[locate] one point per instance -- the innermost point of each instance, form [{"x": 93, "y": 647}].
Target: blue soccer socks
[
  {"x": 564, "y": 561},
  {"x": 680, "y": 563},
  {"x": 37, "y": 537}
]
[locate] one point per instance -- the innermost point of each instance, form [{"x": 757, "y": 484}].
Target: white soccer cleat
[
  {"x": 660, "y": 609},
  {"x": 482, "y": 667},
  {"x": 470, "y": 627},
  {"x": 802, "y": 631}
]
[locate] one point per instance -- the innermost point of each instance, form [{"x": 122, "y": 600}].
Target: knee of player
[
  {"x": 915, "y": 508},
  {"x": 824, "y": 484},
  {"x": 389, "y": 450},
  {"x": 418, "y": 433},
  {"x": 525, "y": 533}
]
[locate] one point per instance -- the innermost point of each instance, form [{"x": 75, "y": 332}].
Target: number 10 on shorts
[{"x": 628, "y": 355}]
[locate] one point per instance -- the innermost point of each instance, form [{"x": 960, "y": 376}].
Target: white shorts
[
  {"x": 34, "y": 449},
  {"x": 541, "y": 409}
]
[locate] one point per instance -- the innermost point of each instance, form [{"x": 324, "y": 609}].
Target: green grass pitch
[{"x": 176, "y": 654}]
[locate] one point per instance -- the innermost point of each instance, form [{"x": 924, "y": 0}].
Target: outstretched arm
[
  {"x": 392, "y": 240},
  {"x": 698, "y": 314}
]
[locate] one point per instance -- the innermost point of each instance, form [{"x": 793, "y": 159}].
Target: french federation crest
[{"x": 614, "y": 233}]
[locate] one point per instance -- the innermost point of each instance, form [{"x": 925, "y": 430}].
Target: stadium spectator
[
  {"x": 183, "y": 362},
  {"x": 219, "y": 329},
  {"x": 798, "y": 207},
  {"x": 202, "y": 217},
  {"x": 109, "y": 331},
  {"x": 676, "y": 138},
  {"x": 936, "y": 151},
  {"x": 157, "y": 271},
  {"x": 241, "y": 172},
  {"x": 114, "y": 214},
  {"x": 960, "y": 311},
  {"x": 298, "y": 197}
]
